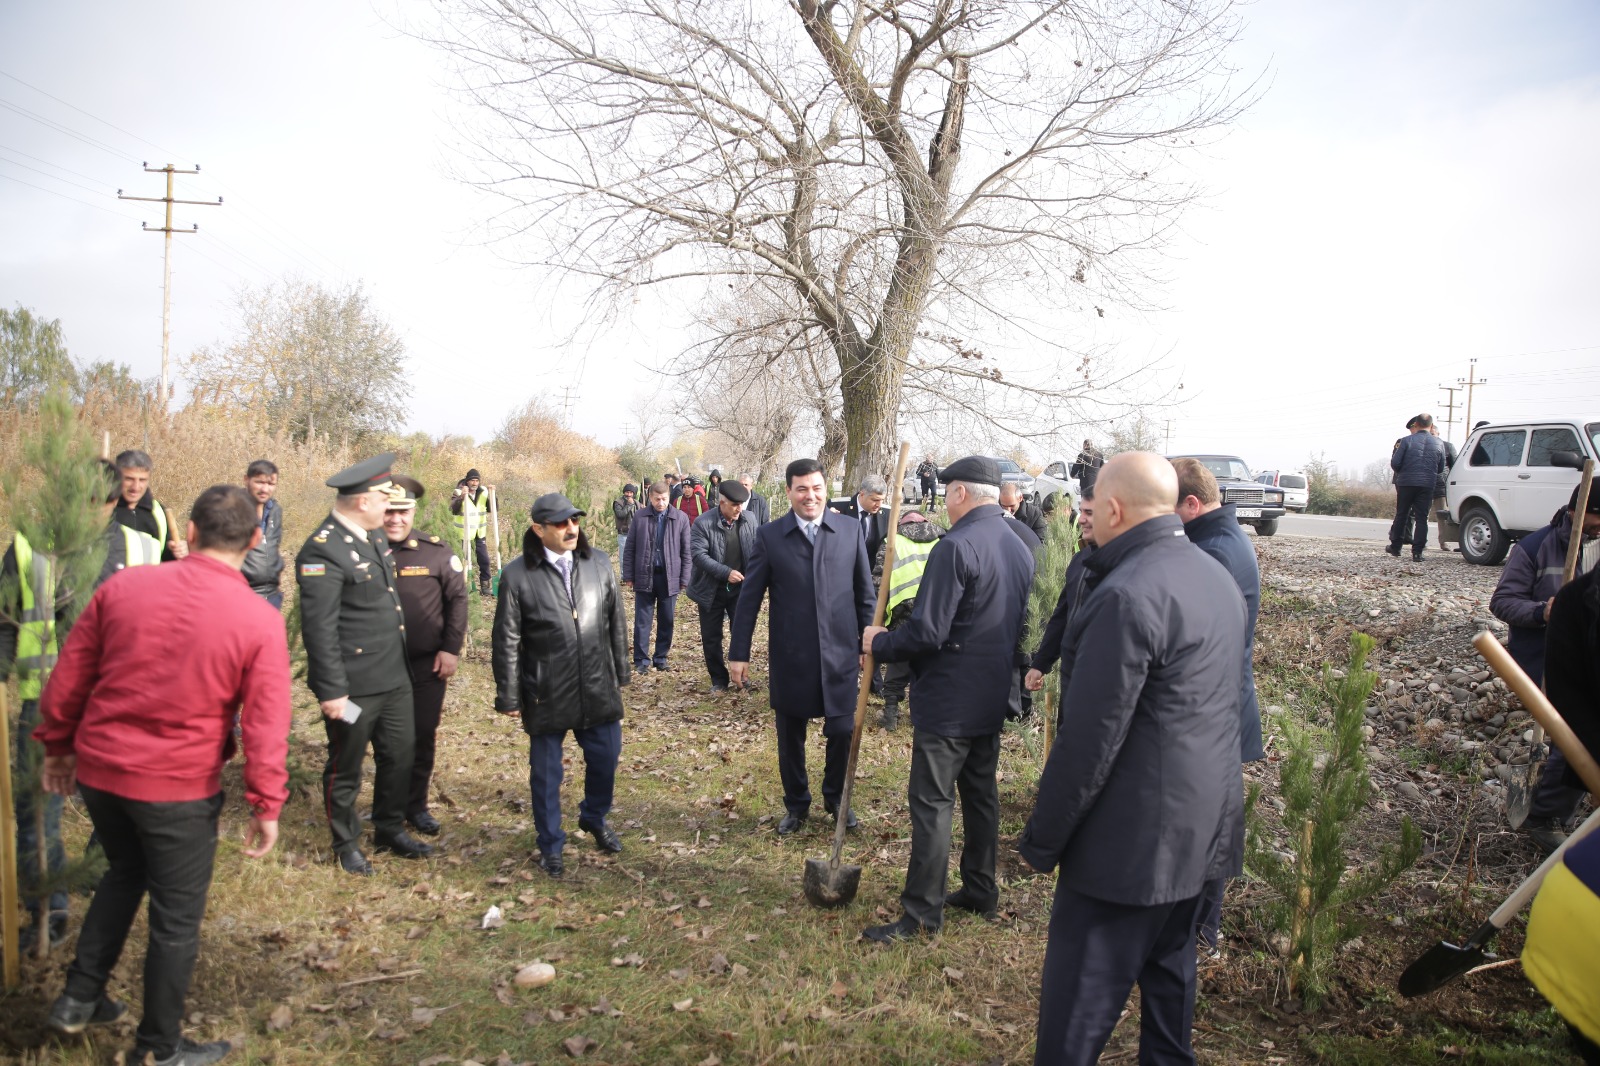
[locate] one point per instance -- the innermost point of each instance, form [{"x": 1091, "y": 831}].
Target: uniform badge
[
  {"x": 414, "y": 571},
  {"x": 355, "y": 555},
  {"x": 455, "y": 564},
  {"x": 312, "y": 569},
  {"x": 411, "y": 543},
  {"x": 433, "y": 540}
]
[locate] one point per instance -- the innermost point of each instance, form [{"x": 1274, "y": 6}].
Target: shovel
[
  {"x": 827, "y": 882},
  {"x": 1444, "y": 962},
  {"x": 1519, "y": 791}
]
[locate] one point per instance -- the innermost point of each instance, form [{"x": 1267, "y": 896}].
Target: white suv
[
  {"x": 1296, "y": 490},
  {"x": 1505, "y": 483}
]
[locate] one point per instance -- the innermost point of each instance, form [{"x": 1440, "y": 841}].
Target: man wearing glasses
[{"x": 354, "y": 631}]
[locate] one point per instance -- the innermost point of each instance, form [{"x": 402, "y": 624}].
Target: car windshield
[
  {"x": 1008, "y": 467},
  {"x": 1593, "y": 430},
  {"x": 1291, "y": 481},
  {"x": 1223, "y": 467}
]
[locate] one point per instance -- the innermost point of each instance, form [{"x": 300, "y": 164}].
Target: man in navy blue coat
[
  {"x": 1142, "y": 798},
  {"x": 813, "y": 563},
  {"x": 961, "y": 642},
  {"x": 1417, "y": 462},
  {"x": 1214, "y": 528}
]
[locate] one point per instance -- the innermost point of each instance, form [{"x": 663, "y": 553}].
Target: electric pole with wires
[{"x": 166, "y": 261}]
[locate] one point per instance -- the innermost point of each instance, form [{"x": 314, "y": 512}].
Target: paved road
[{"x": 1320, "y": 525}]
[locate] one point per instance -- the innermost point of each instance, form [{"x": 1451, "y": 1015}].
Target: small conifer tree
[{"x": 1324, "y": 786}]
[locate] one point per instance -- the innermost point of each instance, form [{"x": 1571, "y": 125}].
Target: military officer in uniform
[
  {"x": 355, "y": 638},
  {"x": 433, "y": 598}
]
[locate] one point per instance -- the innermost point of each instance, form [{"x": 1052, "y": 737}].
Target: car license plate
[{"x": 1249, "y": 512}]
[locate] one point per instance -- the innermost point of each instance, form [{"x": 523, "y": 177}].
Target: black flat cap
[
  {"x": 732, "y": 490},
  {"x": 405, "y": 493},
  {"x": 978, "y": 469},
  {"x": 365, "y": 476},
  {"x": 554, "y": 507},
  {"x": 473, "y": 473},
  {"x": 1594, "y": 499}
]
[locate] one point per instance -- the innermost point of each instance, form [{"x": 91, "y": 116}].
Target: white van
[{"x": 1504, "y": 484}]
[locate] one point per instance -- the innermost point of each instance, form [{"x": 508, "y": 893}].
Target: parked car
[
  {"x": 911, "y": 488},
  {"x": 1506, "y": 482},
  {"x": 1257, "y": 505},
  {"x": 1296, "y": 495},
  {"x": 1055, "y": 478}
]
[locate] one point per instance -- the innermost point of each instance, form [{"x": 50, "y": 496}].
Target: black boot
[{"x": 890, "y": 718}]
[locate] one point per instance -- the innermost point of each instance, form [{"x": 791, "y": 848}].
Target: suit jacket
[
  {"x": 822, "y": 598},
  {"x": 1219, "y": 535},
  {"x": 961, "y": 639},
  {"x": 877, "y": 530},
  {"x": 759, "y": 507},
  {"x": 1142, "y": 798}
]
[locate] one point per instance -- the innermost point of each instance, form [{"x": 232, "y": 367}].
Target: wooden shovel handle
[
  {"x": 1575, "y": 538},
  {"x": 1578, "y": 757},
  {"x": 865, "y": 688}
]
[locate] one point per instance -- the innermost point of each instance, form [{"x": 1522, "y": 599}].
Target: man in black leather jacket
[{"x": 560, "y": 660}]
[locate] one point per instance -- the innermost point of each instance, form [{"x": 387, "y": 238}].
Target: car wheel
[
  {"x": 1266, "y": 529},
  {"x": 1483, "y": 542}
]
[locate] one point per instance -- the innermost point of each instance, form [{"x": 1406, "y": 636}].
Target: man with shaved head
[{"x": 1142, "y": 806}]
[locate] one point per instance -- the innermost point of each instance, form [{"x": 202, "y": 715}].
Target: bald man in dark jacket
[{"x": 1142, "y": 798}]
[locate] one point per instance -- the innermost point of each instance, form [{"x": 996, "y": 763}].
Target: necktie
[
  {"x": 566, "y": 576},
  {"x": 810, "y": 531}
]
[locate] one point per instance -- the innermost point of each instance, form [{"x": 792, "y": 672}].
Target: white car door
[
  {"x": 1545, "y": 488},
  {"x": 1493, "y": 466}
]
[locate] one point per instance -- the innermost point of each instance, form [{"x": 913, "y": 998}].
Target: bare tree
[
  {"x": 307, "y": 360},
  {"x": 917, "y": 173}
]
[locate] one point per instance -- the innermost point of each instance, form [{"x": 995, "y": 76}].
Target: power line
[
  {"x": 52, "y": 177},
  {"x": 81, "y": 111},
  {"x": 59, "y": 128},
  {"x": 74, "y": 199}
]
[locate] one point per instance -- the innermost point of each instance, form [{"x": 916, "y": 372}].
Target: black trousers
[
  {"x": 480, "y": 553},
  {"x": 427, "y": 705},
  {"x": 165, "y": 850},
  {"x": 896, "y": 677},
  {"x": 711, "y": 633},
  {"x": 387, "y": 724},
  {"x": 1097, "y": 950},
  {"x": 792, "y": 765},
  {"x": 942, "y": 767},
  {"x": 1411, "y": 505}
]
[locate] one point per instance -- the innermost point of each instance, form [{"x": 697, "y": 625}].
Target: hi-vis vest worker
[
  {"x": 36, "y": 632},
  {"x": 472, "y": 520},
  {"x": 125, "y": 547},
  {"x": 910, "y": 560}
]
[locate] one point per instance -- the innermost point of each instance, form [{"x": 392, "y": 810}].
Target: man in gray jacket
[
  {"x": 263, "y": 567},
  {"x": 1417, "y": 462},
  {"x": 720, "y": 541},
  {"x": 1144, "y": 802}
]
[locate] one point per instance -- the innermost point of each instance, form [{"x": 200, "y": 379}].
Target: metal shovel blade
[
  {"x": 1443, "y": 963},
  {"x": 831, "y": 886},
  {"x": 1519, "y": 790}
]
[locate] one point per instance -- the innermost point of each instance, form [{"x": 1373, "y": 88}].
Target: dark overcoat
[
  {"x": 822, "y": 598},
  {"x": 1219, "y": 535},
  {"x": 636, "y": 561},
  {"x": 961, "y": 639},
  {"x": 1142, "y": 797}
]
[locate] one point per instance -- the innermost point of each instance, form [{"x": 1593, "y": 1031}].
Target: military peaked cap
[{"x": 366, "y": 476}]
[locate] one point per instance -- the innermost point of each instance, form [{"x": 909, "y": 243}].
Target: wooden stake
[
  {"x": 105, "y": 446},
  {"x": 8, "y": 857},
  {"x": 494, "y": 520},
  {"x": 1049, "y": 722},
  {"x": 1302, "y": 910}
]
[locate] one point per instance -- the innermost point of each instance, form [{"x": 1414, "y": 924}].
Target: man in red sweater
[{"x": 138, "y": 715}]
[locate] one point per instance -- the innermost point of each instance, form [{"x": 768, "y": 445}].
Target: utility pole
[
  {"x": 1168, "y": 447},
  {"x": 567, "y": 400},
  {"x": 1470, "y": 382},
  {"x": 166, "y": 260},
  {"x": 1450, "y": 406}
]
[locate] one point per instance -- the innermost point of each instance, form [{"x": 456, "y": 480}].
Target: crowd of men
[{"x": 1139, "y": 807}]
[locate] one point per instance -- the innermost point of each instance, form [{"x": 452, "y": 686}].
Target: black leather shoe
[
  {"x": 905, "y": 929},
  {"x": 404, "y": 845},
  {"x": 792, "y": 823},
  {"x": 355, "y": 863},
  {"x": 424, "y": 823},
  {"x": 849, "y": 817},
  {"x": 191, "y": 1054},
  {"x": 963, "y": 902},
  {"x": 603, "y": 835},
  {"x": 551, "y": 864},
  {"x": 72, "y": 1016},
  {"x": 1392, "y": 550}
]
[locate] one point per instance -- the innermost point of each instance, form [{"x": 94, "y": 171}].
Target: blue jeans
[
  {"x": 649, "y": 604},
  {"x": 602, "y": 747},
  {"x": 27, "y": 800},
  {"x": 622, "y": 546}
]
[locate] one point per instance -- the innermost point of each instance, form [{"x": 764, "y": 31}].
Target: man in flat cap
[
  {"x": 354, "y": 631},
  {"x": 814, "y": 563},
  {"x": 560, "y": 661},
  {"x": 470, "y": 505},
  {"x": 720, "y": 544},
  {"x": 1417, "y": 462},
  {"x": 961, "y": 642},
  {"x": 433, "y": 601}
]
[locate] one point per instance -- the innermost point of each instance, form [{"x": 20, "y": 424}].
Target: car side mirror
[{"x": 1570, "y": 460}]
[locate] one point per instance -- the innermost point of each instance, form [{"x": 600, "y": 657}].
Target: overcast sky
[{"x": 1416, "y": 188}]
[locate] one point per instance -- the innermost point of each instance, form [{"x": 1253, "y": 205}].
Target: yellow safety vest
[
  {"x": 139, "y": 549},
  {"x": 36, "y": 635},
  {"x": 473, "y": 521},
  {"x": 910, "y": 560}
]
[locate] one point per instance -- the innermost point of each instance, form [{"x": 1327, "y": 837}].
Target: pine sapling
[{"x": 1324, "y": 786}]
